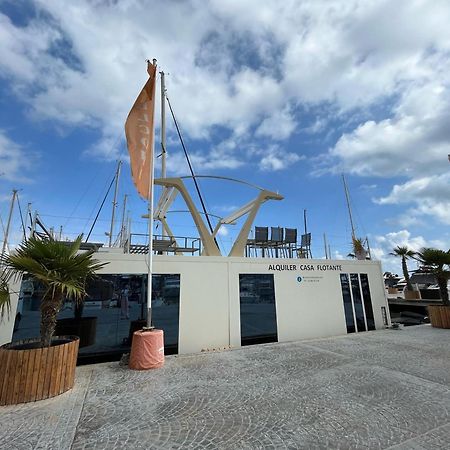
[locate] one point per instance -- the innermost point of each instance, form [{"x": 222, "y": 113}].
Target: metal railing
[{"x": 137, "y": 243}]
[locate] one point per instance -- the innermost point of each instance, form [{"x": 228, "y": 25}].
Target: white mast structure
[
  {"x": 114, "y": 205},
  {"x": 349, "y": 209}
]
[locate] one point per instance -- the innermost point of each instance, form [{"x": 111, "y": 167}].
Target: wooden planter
[
  {"x": 412, "y": 295},
  {"x": 439, "y": 316},
  {"x": 28, "y": 374}
]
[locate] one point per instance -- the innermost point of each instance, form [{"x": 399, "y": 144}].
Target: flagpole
[{"x": 150, "y": 232}]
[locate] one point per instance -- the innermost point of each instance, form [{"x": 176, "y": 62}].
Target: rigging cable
[
  {"x": 100, "y": 209},
  {"x": 190, "y": 166}
]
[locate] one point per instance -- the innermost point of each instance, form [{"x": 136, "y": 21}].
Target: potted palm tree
[
  {"x": 438, "y": 262},
  {"x": 405, "y": 253},
  {"x": 43, "y": 367},
  {"x": 359, "y": 250}
]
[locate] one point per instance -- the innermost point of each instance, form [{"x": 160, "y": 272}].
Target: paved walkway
[{"x": 384, "y": 389}]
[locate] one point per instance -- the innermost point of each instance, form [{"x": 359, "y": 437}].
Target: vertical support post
[
  {"x": 325, "y": 245},
  {"x": 114, "y": 203},
  {"x": 150, "y": 231},
  {"x": 8, "y": 225}
]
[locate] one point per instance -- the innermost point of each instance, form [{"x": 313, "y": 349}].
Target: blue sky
[{"x": 285, "y": 95}]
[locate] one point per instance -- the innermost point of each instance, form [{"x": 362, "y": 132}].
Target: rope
[
  {"x": 100, "y": 209},
  {"x": 190, "y": 166}
]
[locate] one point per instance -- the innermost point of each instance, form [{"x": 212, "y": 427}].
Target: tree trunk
[
  {"x": 50, "y": 306},
  {"x": 442, "y": 282},
  {"x": 78, "y": 310},
  {"x": 406, "y": 274}
]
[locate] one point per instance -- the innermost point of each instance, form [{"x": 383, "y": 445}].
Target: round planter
[
  {"x": 28, "y": 373},
  {"x": 85, "y": 328},
  {"x": 439, "y": 316},
  {"x": 412, "y": 295}
]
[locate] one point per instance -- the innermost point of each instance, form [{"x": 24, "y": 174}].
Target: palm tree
[
  {"x": 437, "y": 260},
  {"x": 405, "y": 253},
  {"x": 61, "y": 268},
  {"x": 359, "y": 251}
]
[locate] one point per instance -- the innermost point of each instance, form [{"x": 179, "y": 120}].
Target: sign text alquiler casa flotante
[{"x": 306, "y": 267}]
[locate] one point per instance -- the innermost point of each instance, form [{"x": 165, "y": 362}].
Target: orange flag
[{"x": 139, "y": 130}]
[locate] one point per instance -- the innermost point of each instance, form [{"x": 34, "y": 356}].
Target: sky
[{"x": 285, "y": 95}]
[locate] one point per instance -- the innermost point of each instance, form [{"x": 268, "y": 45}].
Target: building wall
[
  {"x": 7, "y": 322},
  {"x": 307, "y": 307}
]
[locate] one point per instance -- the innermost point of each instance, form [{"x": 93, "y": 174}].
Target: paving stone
[{"x": 378, "y": 390}]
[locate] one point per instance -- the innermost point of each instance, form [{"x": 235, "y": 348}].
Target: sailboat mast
[
  {"x": 122, "y": 226},
  {"x": 349, "y": 209},
  {"x": 11, "y": 208},
  {"x": 114, "y": 204},
  {"x": 325, "y": 245}
]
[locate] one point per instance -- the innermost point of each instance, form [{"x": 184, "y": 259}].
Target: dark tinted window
[
  {"x": 367, "y": 301},
  {"x": 357, "y": 302},
  {"x": 258, "y": 312},
  {"x": 117, "y": 304},
  {"x": 349, "y": 319}
]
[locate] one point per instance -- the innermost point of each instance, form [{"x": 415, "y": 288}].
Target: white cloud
[
  {"x": 382, "y": 246},
  {"x": 238, "y": 65},
  {"x": 203, "y": 164},
  {"x": 276, "y": 159},
  {"x": 429, "y": 195},
  {"x": 223, "y": 231},
  {"x": 14, "y": 161},
  {"x": 278, "y": 126},
  {"x": 412, "y": 142}
]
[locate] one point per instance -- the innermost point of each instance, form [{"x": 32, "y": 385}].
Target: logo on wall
[{"x": 299, "y": 279}]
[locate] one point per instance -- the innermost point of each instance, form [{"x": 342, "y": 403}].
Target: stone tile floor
[{"x": 384, "y": 389}]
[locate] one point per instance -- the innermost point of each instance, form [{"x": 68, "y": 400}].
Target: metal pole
[
  {"x": 28, "y": 215},
  {"x": 325, "y": 245},
  {"x": 304, "y": 221},
  {"x": 114, "y": 205},
  {"x": 368, "y": 247},
  {"x": 349, "y": 209},
  {"x": 33, "y": 224},
  {"x": 150, "y": 232},
  {"x": 163, "y": 125},
  {"x": 128, "y": 232},
  {"x": 122, "y": 227},
  {"x": 163, "y": 135},
  {"x": 11, "y": 208}
]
